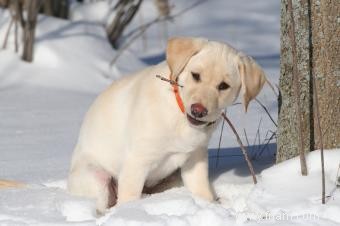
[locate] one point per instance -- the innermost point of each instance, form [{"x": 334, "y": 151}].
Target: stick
[
  {"x": 172, "y": 82},
  {"x": 16, "y": 35},
  {"x": 244, "y": 151},
  {"x": 259, "y": 135},
  {"x": 7, "y": 33},
  {"x": 245, "y": 134},
  {"x": 321, "y": 140},
  {"x": 219, "y": 142},
  {"x": 266, "y": 110},
  {"x": 337, "y": 178},
  {"x": 268, "y": 141},
  {"x": 16, "y": 16},
  {"x": 272, "y": 88},
  {"x": 296, "y": 89},
  {"x": 317, "y": 109}
]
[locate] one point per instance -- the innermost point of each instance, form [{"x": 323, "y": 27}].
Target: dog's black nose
[{"x": 198, "y": 110}]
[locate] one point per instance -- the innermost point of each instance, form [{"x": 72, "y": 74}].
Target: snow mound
[
  {"x": 281, "y": 197},
  {"x": 68, "y": 55},
  {"x": 174, "y": 207},
  {"x": 297, "y": 195}
]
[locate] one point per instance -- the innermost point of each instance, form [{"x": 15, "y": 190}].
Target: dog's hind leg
[{"x": 89, "y": 181}]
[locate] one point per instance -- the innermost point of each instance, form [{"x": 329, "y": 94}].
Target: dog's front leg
[
  {"x": 195, "y": 175},
  {"x": 131, "y": 179}
]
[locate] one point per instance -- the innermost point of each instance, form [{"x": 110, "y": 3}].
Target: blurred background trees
[{"x": 124, "y": 11}]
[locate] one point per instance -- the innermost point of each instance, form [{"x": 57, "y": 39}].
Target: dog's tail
[{"x": 10, "y": 184}]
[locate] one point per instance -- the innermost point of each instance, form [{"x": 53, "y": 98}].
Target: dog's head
[{"x": 212, "y": 74}]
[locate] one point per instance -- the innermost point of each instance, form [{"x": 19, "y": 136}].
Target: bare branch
[
  {"x": 320, "y": 139},
  {"x": 245, "y": 134},
  {"x": 244, "y": 151},
  {"x": 7, "y": 33},
  {"x": 272, "y": 88},
  {"x": 268, "y": 141},
  {"x": 266, "y": 110},
  {"x": 337, "y": 178},
  {"x": 172, "y": 82},
  {"x": 219, "y": 142}
]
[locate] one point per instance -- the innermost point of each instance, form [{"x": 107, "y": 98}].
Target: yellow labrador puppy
[{"x": 141, "y": 129}]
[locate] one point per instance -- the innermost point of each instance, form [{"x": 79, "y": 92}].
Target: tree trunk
[
  {"x": 326, "y": 68},
  {"x": 29, "y": 32},
  {"x": 316, "y": 35},
  {"x": 63, "y": 9},
  {"x": 48, "y": 7}
]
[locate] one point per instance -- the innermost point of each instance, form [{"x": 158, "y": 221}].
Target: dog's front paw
[
  {"x": 127, "y": 198},
  {"x": 206, "y": 195}
]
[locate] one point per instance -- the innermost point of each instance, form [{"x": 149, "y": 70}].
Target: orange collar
[{"x": 178, "y": 98}]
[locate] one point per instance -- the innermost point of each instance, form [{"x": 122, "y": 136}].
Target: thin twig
[
  {"x": 297, "y": 92},
  {"x": 272, "y": 88},
  {"x": 236, "y": 103},
  {"x": 317, "y": 108},
  {"x": 140, "y": 30},
  {"x": 258, "y": 154},
  {"x": 245, "y": 134},
  {"x": 320, "y": 139},
  {"x": 259, "y": 136},
  {"x": 317, "y": 118},
  {"x": 268, "y": 141},
  {"x": 172, "y": 82},
  {"x": 244, "y": 151},
  {"x": 219, "y": 142},
  {"x": 16, "y": 16},
  {"x": 16, "y": 35},
  {"x": 7, "y": 33},
  {"x": 337, "y": 178},
  {"x": 257, "y": 133},
  {"x": 266, "y": 110}
]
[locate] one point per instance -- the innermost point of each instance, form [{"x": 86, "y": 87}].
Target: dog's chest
[
  {"x": 176, "y": 150},
  {"x": 165, "y": 167},
  {"x": 188, "y": 140}
]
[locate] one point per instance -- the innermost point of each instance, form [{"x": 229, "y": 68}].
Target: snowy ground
[{"x": 42, "y": 106}]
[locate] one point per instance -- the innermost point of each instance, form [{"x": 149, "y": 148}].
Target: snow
[
  {"x": 42, "y": 106},
  {"x": 281, "y": 197}
]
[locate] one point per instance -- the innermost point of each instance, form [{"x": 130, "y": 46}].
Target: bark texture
[{"x": 316, "y": 33}]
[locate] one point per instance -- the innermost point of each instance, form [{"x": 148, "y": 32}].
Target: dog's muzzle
[{"x": 197, "y": 122}]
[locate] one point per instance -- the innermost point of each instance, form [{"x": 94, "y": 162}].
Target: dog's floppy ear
[
  {"x": 252, "y": 78},
  {"x": 179, "y": 51}
]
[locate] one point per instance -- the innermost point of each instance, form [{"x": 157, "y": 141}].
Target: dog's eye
[
  {"x": 223, "y": 86},
  {"x": 196, "y": 76}
]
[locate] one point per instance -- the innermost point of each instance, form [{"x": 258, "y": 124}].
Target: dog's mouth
[{"x": 197, "y": 122}]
